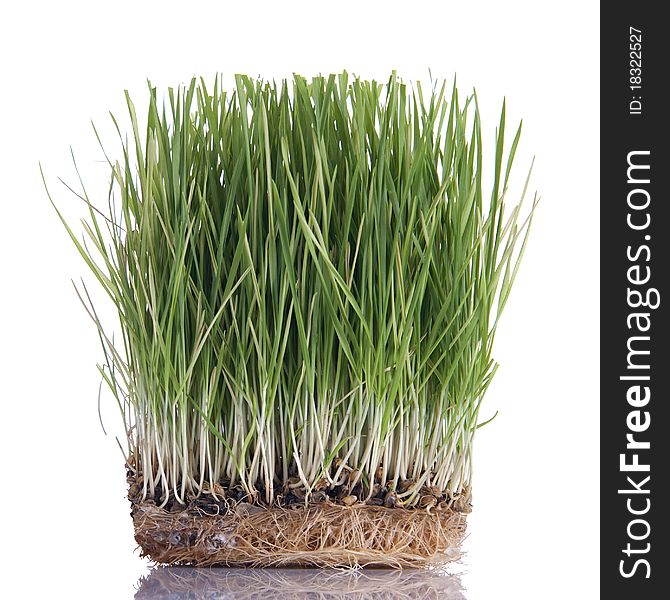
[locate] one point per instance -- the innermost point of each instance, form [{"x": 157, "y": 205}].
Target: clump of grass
[{"x": 308, "y": 277}]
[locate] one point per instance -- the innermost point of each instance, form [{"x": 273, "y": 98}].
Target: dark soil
[{"x": 287, "y": 496}]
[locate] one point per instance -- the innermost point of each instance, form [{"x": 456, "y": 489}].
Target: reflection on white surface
[{"x": 176, "y": 583}]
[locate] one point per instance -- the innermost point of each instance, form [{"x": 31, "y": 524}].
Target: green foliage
[{"x": 304, "y": 271}]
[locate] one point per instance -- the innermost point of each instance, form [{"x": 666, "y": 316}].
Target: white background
[{"x": 66, "y": 531}]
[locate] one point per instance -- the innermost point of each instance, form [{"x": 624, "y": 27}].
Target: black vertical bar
[{"x": 635, "y": 262}]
